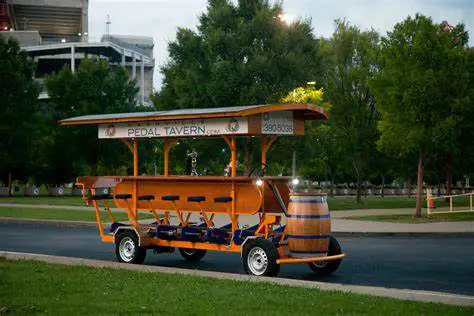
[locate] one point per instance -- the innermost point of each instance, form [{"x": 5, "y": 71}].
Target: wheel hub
[
  {"x": 127, "y": 249},
  {"x": 257, "y": 261}
]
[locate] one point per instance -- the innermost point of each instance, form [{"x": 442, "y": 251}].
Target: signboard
[
  {"x": 280, "y": 123},
  {"x": 176, "y": 128}
]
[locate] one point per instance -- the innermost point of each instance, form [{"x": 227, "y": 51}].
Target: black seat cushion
[
  {"x": 170, "y": 197},
  {"x": 196, "y": 198},
  {"x": 123, "y": 196},
  {"x": 223, "y": 199},
  {"x": 101, "y": 197},
  {"x": 146, "y": 197}
]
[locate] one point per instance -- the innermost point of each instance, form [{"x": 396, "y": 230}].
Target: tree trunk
[
  {"x": 331, "y": 188},
  {"x": 449, "y": 175},
  {"x": 383, "y": 186},
  {"x": 419, "y": 188},
  {"x": 438, "y": 178},
  {"x": 409, "y": 186},
  {"x": 9, "y": 184},
  {"x": 359, "y": 189}
]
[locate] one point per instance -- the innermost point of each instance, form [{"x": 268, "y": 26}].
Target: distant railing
[
  {"x": 111, "y": 39},
  {"x": 431, "y": 207}
]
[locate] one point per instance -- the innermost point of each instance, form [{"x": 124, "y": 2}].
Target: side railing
[{"x": 431, "y": 207}]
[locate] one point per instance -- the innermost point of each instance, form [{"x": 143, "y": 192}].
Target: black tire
[
  {"x": 127, "y": 249},
  {"x": 328, "y": 267},
  {"x": 259, "y": 258},
  {"x": 192, "y": 255}
]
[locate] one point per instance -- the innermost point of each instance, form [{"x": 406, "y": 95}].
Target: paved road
[{"x": 423, "y": 263}]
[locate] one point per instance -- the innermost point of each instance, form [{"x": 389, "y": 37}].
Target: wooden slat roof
[{"x": 309, "y": 112}]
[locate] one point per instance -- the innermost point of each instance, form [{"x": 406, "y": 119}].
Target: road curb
[
  {"x": 80, "y": 224},
  {"x": 403, "y": 294}
]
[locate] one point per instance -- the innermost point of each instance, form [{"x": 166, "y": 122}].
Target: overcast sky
[{"x": 160, "y": 18}]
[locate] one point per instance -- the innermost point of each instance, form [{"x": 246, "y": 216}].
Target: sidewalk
[{"x": 340, "y": 223}]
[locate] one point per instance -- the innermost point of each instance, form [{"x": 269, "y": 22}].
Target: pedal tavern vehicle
[{"x": 288, "y": 227}]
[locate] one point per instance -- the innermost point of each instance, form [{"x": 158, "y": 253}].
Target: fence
[{"x": 430, "y": 203}]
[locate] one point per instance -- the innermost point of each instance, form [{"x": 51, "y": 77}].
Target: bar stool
[
  {"x": 200, "y": 199},
  {"x": 227, "y": 199},
  {"x": 172, "y": 199},
  {"x": 148, "y": 198}
]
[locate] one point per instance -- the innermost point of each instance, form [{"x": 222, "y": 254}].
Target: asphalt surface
[{"x": 422, "y": 263}]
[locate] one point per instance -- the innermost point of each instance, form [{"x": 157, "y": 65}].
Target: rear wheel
[
  {"x": 192, "y": 255},
  {"x": 127, "y": 248},
  {"x": 259, "y": 258},
  {"x": 328, "y": 267}
]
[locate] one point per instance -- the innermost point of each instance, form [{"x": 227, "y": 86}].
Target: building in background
[{"x": 55, "y": 33}]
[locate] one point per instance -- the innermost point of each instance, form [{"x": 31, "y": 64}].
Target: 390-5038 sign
[{"x": 278, "y": 123}]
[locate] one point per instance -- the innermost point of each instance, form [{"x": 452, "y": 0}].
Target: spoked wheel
[
  {"x": 192, "y": 255},
  {"x": 127, "y": 249},
  {"x": 259, "y": 258},
  {"x": 328, "y": 267}
]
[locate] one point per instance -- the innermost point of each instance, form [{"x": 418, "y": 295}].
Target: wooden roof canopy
[{"x": 249, "y": 120}]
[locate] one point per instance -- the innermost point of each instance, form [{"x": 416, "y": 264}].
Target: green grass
[
  {"x": 59, "y": 214},
  {"x": 409, "y": 219},
  {"x": 46, "y": 200},
  {"x": 30, "y": 287}
]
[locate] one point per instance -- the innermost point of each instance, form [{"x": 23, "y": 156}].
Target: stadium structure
[{"x": 55, "y": 34}]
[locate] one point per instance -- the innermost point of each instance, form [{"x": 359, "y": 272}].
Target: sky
[{"x": 161, "y": 18}]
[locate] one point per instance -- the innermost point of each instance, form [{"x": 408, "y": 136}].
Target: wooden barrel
[{"x": 308, "y": 225}]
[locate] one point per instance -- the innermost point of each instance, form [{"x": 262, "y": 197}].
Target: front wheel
[
  {"x": 328, "y": 267},
  {"x": 127, "y": 249},
  {"x": 259, "y": 258},
  {"x": 192, "y": 255}
]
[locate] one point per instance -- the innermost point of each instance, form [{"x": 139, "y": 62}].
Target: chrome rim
[
  {"x": 320, "y": 264},
  {"x": 257, "y": 261},
  {"x": 189, "y": 252},
  {"x": 127, "y": 249}
]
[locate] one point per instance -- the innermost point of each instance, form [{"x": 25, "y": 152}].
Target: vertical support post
[
  {"x": 123, "y": 57},
  {"x": 73, "y": 58},
  {"x": 135, "y": 157},
  {"x": 167, "y": 145},
  {"x": 233, "y": 157},
  {"x": 263, "y": 158},
  {"x": 134, "y": 66},
  {"x": 450, "y": 203},
  {"x": 428, "y": 196},
  {"x": 142, "y": 80}
]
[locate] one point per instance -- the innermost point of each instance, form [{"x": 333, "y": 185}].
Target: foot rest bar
[{"x": 307, "y": 260}]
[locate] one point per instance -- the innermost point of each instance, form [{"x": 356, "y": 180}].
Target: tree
[
  {"x": 419, "y": 91},
  {"x": 350, "y": 59},
  {"x": 95, "y": 88},
  {"x": 18, "y": 109},
  {"x": 241, "y": 54}
]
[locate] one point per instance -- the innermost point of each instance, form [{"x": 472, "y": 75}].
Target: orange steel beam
[
  {"x": 135, "y": 157},
  {"x": 307, "y": 260},
  {"x": 129, "y": 145},
  {"x": 168, "y": 144},
  {"x": 233, "y": 157},
  {"x": 195, "y": 245},
  {"x": 265, "y": 147}
]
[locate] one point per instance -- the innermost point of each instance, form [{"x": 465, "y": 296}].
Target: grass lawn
[
  {"x": 46, "y": 200},
  {"x": 409, "y": 219},
  {"x": 30, "y": 287},
  {"x": 58, "y": 214}
]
